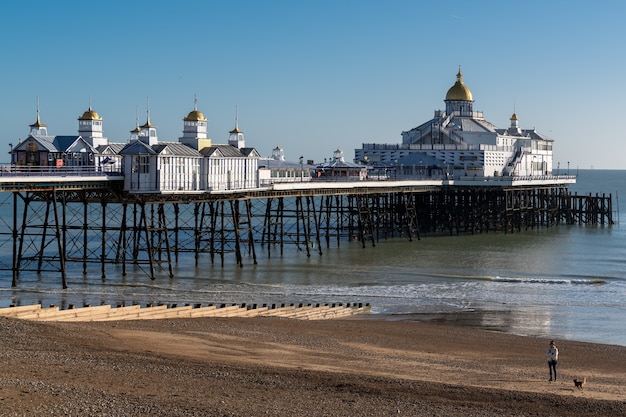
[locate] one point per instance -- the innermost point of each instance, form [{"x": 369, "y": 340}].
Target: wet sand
[{"x": 365, "y": 366}]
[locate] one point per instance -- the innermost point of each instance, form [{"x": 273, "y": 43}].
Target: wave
[{"x": 590, "y": 281}]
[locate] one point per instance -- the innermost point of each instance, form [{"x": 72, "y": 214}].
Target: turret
[
  {"x": 38, "y": 128},
  {"x": 236, "y": 137},
  {"x": 514, "y": 128},
  {"x": 90, "y": 128},
  {"x": 278, "y": 154},
  {"x": 195, "y": 129}
]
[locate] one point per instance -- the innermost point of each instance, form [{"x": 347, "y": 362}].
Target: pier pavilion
[{"x": 460, "y": 141}]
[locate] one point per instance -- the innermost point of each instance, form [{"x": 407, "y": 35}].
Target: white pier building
[{"x": 459, "y": 141}]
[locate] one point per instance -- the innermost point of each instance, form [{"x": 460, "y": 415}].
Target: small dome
[
  {"x": 514, "y": 117},
  {"x": 459, "y": 91},
  {"x": 195, "y": 116},
  {"x": 38, "y": 123},
  {"x": 90, "y": 115}
]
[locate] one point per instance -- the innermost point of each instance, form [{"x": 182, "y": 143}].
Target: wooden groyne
[{"x": 36, "y": 312}]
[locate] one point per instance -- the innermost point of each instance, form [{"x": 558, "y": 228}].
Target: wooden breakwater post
[{"x": 174, "y": 311}]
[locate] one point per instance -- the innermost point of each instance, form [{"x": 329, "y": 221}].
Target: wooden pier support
[{"x": 99, "y": 226}]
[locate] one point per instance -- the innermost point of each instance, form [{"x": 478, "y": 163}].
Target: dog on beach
[{"x": 579, "y": 383}]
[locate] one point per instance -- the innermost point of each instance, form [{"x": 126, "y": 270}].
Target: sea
[{"x": 558, "y": 282}]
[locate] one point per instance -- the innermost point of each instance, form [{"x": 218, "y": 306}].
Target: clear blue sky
[{"x": 314, "y": 76}]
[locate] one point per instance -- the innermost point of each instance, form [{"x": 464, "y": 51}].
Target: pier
[{"x": 91, "y": 221}]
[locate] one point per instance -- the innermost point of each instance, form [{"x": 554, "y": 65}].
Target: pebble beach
[{"x": 359, "y": 366}]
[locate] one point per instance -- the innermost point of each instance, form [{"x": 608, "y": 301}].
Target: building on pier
[
  {"x": 232, "y": 166},
  {"x": 339, "y": 169},
  {"x": 162, "y": 167},
  {"x": 460, "y": 141},
  {"x": 226, "y": 167},
  {"x": 276, "y": 169},
  {"x": 193, "y": 164},
  {"x": 149, "y": 165},
  {"x": 457, "y": 143},
  {"x": 109, "y": 158},
  {"x": 41, "y": 149}
]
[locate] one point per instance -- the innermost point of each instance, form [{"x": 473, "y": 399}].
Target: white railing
[
  {"x": 514, "y": 178},
  {"x": 7, "y": 170}
]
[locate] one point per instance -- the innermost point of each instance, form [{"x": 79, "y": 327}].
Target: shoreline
[
  {"x": 503, "y": 320},
  {"x": 473, "y": 320},
  {"x": 362, "y": 365}
]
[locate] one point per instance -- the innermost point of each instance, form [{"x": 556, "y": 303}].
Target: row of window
[{"x": 290, "y": 173}]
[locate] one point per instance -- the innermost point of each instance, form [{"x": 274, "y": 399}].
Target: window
[{"x": 144, "y": 164}]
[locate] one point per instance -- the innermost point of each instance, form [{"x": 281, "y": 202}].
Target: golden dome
[
  {"x": 90, "y": 115},
  {"x": 459, "y": 91},
  {"x": 514, "y": 117},
  {"x": 195, "y": 116}
]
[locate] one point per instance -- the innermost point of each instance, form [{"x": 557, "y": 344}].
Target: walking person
[{"x": 552, "y": 354}]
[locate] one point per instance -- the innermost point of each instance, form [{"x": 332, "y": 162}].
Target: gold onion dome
[
  {"x": 514, "y": 117},
  {"x": 195, "y": 116},
  {"x": 90, "y": 115},
  {"x": 459, "y": 91}
]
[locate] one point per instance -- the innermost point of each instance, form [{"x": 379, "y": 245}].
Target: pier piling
[{"x": 95, "y": 226}]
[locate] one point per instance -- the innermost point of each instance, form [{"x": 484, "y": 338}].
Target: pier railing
[
  {"x": 11, "y": 170},
  {"x": 7, "y": 170}
]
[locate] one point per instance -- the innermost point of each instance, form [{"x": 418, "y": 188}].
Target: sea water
[{"x": 562, "y": 282}]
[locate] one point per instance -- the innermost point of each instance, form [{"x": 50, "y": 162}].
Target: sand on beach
[{"x": 285, "y": 367}]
